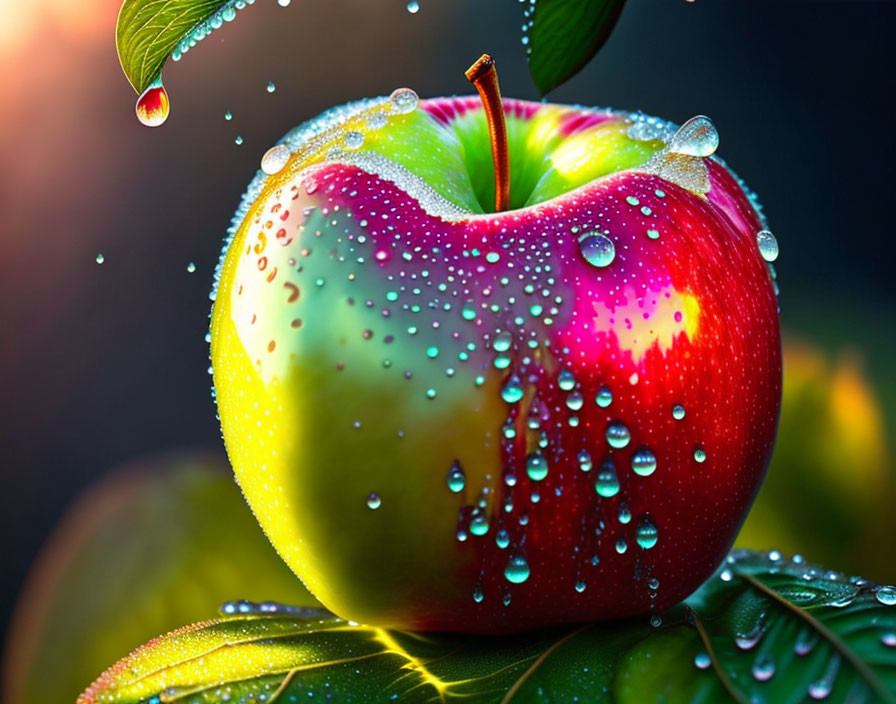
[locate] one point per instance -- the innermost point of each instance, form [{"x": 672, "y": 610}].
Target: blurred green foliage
[{"x": 159, "y": 544}]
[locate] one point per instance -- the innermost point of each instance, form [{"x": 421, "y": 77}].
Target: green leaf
[
  {"x": 762, "y": 629},
  {"x": 565, "y": 35},
  {"x": 149, "y": 30},
  {"x": 161, "y": 543}
]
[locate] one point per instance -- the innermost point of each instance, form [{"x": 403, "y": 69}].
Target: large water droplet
[
  {"x": 702, "y": 661},
  {"x": 646, "y": 533},
  {"x": 604, "y": 397},
  {"x": 607, "y": 482},
  {"x": 517, "y": 570},
  {"x": 886, "y": 595},
  {"x": 404, "y": 100},
  {"x": 618, "y": 435},
  {"x": 696, "y": 137},
  {"x": 643, "y": 462},
  {"x": 275, "y": 159},
  {"x": 566, "y": 380},
  {"x": 413, "y": 7},
  {"x": 768, "y": 245},
  {"x": 597, "y": 249},
  {"x": 153, "y": 106},
  {"x": 502, "y": 341},
  {"x": 536, "y": 466},
  {"x": 479, "y": 525},
  {"x": 353, "y": 140},
  {"x": 678, "y": 411},
  {"x": 575, "y": 401}
]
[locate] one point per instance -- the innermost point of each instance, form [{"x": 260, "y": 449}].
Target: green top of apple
[{"x": 444, "y": 143}]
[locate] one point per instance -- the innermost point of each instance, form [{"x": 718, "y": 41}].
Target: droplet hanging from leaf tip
[{"x": 153, "y": 105}]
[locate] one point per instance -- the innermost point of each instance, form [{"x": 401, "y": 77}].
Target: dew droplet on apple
[
  {"x": 646, "y": 533},
  {"x": 456, "y": 478},
  {"x": 536, "y": 466},
  {"x": 607, "y": 483},
  {"x": 678, "y": 411},
  {"x": 575, "y": 401},
  {"x": 404, "y": 101},
  {"x": 699, "y": 454},
  {"x": 618, "y": 435},
  {"x": 604, "y": 397},
  {"x": 275, "y": 159},
  {"x": 696, "y": 137},
  {"x": 512, "y": 390},
  {"x": 353, "y": 140},
  {"x": 566, "y": 380},
  {"x": 643, "y": 462},
  {"x": 598, "y": 250},
  {"x": 517, "y": 569},
  {"x": 768, "y": 245}
]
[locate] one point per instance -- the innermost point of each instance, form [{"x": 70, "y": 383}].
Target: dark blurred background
[{"x": 100, "y": 363}]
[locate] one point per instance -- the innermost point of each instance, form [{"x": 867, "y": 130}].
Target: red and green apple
[{"x": 449, "y": 417}]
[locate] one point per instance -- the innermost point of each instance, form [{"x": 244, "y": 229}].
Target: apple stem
[{"x": 484, "y": 76}]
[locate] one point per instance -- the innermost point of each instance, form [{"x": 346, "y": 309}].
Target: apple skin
[{"x": 366, "y": 335}]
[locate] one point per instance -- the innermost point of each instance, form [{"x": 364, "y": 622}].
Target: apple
[{"x": 455, "y": 417}]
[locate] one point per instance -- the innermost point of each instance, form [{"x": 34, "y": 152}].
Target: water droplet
[
  {"x": 768, "y": 245},
  {"x": 353, "y": 140},
  {"x": 228, "y": 115},
  {"x": 889, "y": 639},
  {"x": 655, "y": 620},
  {"x": 643, "y": 462},
  {"x": 598, "y": 250},
  {"x": 512, "y": 391},
  {"x": 886, "y": 595},
  {"x": 404, "y": 101},
  {"x": 618, "y": 435},
  {"x": 584, "y": 461},
  {"x": 275, "y": 159},
  {"x": 469, "y": 310},
  {"x": 517, "y": 570},
  {"x": 575, "y": 401},
  {"x": 607, "y": 482},
  {"x": 653, "y": 583},
  {"x": 678, "y": 411},
  {"x": 763, "y": 668},
  {"x": 536, "y": 466},
  {"x": 621, "y": 546},
  {"x": 604, "y": 397},
  {"x": 699, "y": 454},
  {"x": 413, "y": 7},
  {"x": 646, "y": 534},
  {"x": 696, "y": 137},
  {"x": 373, "y": 501},
  {"x": 456, "y": 479},
  {"x": 502, "y": 539},
  {"x": 100, "y": 258},
  {"x": 566, "y": 380},
  {"x": 479, "y": 525},
  {"x": 238, "y": 140},
  {"x": 702, "y": 661},
  {"x": 283, "y": 3},
  {"x": 653, "y": 234},
  {"x": 271, "y": 87},
  {"x": 580, "y": 586},
  {"x": 821, "y": 688},
  {"x": 191, "y": 267},
  {"x": 153, "y": 106},
  {"x": 502, "y": 341},
  {"x": 432, "y": 352}
]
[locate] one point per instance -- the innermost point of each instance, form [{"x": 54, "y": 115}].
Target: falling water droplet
[
  {"x": 100, "y": 258},
  {"x": 696, "y": 137},
  {"x": 643, "y": 462},
  {"x": 228, "y": 115},
  {"x": 618, "y": 435},
  {"x": 413, "y": 7},
  {"x": 768, "y": 245},
  {"x": 404, "y": 100},
  {"x": 517, "y": 569},
  {"x": 153, "y": 106},
  {"x": 607, "y": 482},
  {"x": 191, "y": 267},
  {"x": 456, "y": 479},
  {"x": 479, "y": 525},
  {"x": 373, "y": 501},
  {"x": 271, "y": 87},
  {"x": 646, "y": 533},
  {"x": 238, "y": 140},
  {"x": 275, "y": 159},
  {"x": 502, "y": 539},
  {"x": 598, "y": 250}
]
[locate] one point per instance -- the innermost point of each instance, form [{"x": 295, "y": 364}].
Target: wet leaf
[
  {"x": 762, "y": 629},
  {"x": 159, "y": 544},
  {"x": 149, "y": 30},
  {"x": 565, "y": 35}
]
